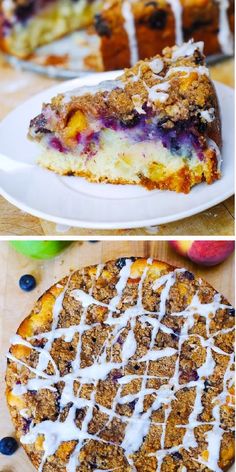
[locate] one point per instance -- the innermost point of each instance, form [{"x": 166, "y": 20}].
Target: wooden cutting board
[{"x": 16, "y": 304}]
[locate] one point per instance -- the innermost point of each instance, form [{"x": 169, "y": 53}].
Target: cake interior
[
  {"x": 156, "y": 125},
  {"x": 139, "y": 152},
  {"x": 122, "y": 162}
]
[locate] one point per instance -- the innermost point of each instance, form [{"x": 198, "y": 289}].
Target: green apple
[{"x": 40, "y": 249}]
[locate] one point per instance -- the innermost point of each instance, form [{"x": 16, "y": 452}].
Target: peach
[
  {"x": 76, "y": 124},
  {"x": 206, "y": 253}
]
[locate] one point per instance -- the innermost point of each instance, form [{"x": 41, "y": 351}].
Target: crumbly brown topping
[
  {"x": 188, "y": 91},
  {"x": 165, "y": 340}
]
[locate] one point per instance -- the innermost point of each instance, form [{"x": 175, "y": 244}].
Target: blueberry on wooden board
[
  {"x": 8, "y": 446},
  {"x": 27, "y": 282}
]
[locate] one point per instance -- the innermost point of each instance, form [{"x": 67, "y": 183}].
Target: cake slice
[
  {"x": 27, "y": 24},
  {"x": 157, "y": 125},
  {"x": 135, "y": 29}
]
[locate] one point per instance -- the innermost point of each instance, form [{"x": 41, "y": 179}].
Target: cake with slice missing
[
  {"x": 125, "y": 367},
  {"x": 156, "y": 125},
  {"x": 128, "y": 29},
  {"x": 27, "y": 24},
  {"x": 136, "y": 29}
]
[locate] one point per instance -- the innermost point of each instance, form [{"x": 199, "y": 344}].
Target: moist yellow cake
[
  {"x": 27, "y": 24},
  {"x": 156, "y": 125},
  {"x": 125, "y": 367}
]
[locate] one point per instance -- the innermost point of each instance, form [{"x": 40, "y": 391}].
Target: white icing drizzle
[
  {"x": 124, "y": 275},
  {"x": 85, "y": 299},
  {"x": 154, "y": 355},
  {"x": 159, "y": 92},
  {"x": 208, "y": 115},
  {"x": 154, "y": 96},
  {"x": 129, "y": 26},
  {"x": 225, "y": 36},
  {"x": 43, "y": 359},
  {"x": 136, "y": 99},
  {"x": 187, "y": 49},
  {"x": 138, "y": 424},
  {"x": 177, "y": 10},
  {"x": 8, "y": 8},
  {"x": 105, "y": 86},
  {"x": 7, "y": 5},
  {"x": 24, "y": 413},
  {"x": 164, "y": 86},
  {"x": 214, "y": 436},
  {"x": 201, "y": 70},
  {"x": 156, "y": 65}
]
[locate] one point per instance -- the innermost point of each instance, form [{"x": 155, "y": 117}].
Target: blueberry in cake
[
  {"x": 125, "y": 367},
  {"x": 135, "y": 29},
  {"x": 27, "y": 24},
  {"x": 157, "y": 125}
]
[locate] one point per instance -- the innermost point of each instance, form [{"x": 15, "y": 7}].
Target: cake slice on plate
[{"x": 157, "y": 125}]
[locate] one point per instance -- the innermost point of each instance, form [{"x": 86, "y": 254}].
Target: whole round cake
[{"x": 126, "y": 366}]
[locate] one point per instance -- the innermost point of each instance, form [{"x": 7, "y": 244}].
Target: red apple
[{"x": 206, "y": 253}]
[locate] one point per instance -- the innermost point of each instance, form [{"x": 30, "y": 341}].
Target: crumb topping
[
  {"x": 127, "y": 366},
  {"x": 176, "y": 86}
]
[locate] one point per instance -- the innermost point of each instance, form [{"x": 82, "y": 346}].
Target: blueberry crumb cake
[
  {"x": 128, "y": 30},
  {"x": 125, "y": 366},
  {"x": 135, "y": 29},
  {"x": 157, "y": 125}
]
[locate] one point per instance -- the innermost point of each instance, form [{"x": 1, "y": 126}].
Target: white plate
[
  {"x": 72, "y": 53},
  {"x": 74, "y": 201}
]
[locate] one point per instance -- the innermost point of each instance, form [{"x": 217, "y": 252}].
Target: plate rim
[
  {"x": 109, "y": 226},
  {"x": 70, "y": 84},
  {"x": 60, "y": 72}
]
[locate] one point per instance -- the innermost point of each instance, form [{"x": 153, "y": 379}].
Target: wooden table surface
[
  {"x": 16, "y": 304},
  {"x": 15, "y": 87}
]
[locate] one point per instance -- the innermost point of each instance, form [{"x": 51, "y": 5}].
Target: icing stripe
[
  {"x": 177, "y": 11},
  {"x": 225, "y": 36},
  {"x": 129, "y": 26}
]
